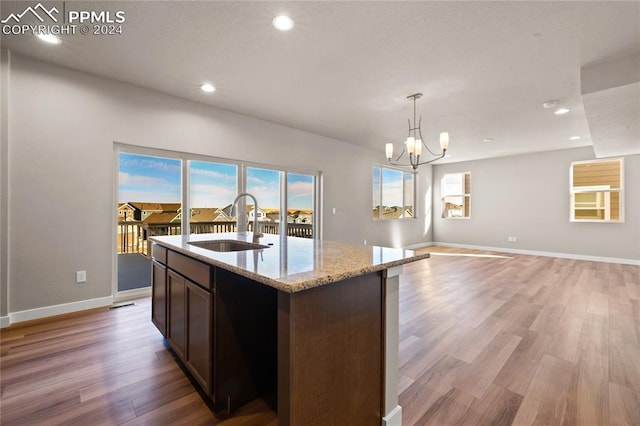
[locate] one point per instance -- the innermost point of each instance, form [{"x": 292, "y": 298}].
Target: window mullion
[
  {"x": 284, "y": 204},
  {"x": 185, "y": 224}
]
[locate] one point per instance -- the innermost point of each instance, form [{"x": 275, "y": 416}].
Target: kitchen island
[{"x": 309, "y": 325}]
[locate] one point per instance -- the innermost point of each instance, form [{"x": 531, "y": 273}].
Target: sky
[
  {"x": 156, "y": 179},
  {"x": 392, "y": 187},
  {"x": 212, "y": 184},
  {"x": 144, "y": 178}
]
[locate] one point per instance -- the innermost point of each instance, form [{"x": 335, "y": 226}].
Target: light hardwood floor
[
  {"x": 510, "y": 339},
  {"x": 485, "y": 339}
]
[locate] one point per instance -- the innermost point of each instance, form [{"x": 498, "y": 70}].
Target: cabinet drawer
[
  {"x": 197, "y": 272},
  {"x": 159, "y": 253}
]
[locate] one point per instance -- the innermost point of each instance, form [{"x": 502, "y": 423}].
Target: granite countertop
[{"x": 292, "y": 264}]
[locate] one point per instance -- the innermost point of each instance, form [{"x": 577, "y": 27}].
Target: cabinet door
[
  {"x": 176, "y": 327},
  {"x": 200, "y": 335},
  {"x": 159, "y": 297}
]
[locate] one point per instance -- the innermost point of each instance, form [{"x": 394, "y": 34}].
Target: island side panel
[
  {"x": 330, "y": 354},
  {"x": 392, "y": 411},
  {"x": 246, "y": 341}
]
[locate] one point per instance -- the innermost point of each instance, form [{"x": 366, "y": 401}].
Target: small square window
[
  {"x": 456, "y": 195},
  {"x": 597, "y": 191}
]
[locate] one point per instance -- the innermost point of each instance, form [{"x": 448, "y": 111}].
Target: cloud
[
  {"x": 255, "y": 180},
  {"x": 147, "y": 196},
  {"x": 300, "y": 188},
  {"x": 211, "y": 195},
  {"x": 212, "y": 174},
  {"x": 126, "y": 179},
  {"x": 392, "y": 193},
  {"x": 143, "y": 162}
]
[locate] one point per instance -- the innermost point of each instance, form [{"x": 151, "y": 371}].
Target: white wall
[
  {"x": 4, "y": 181},
  {"x": 62, "y": 126},
  {"x": 527, "y": 196}
]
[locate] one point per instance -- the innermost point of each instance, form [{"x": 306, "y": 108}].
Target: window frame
[
  {"x": 466, "y": 196},
  {"x": 241, "y": 183},
  {"x": 413, "y": 191},
  {"x": 596, "y": 189}
]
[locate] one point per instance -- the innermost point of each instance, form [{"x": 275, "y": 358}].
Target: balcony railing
[{"x": 133, "y": 235}]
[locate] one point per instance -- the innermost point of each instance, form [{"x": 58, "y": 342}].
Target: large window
[
  {"x": 393, "y": 193},
  {"x": 212, "y": 188},
  {"x": 149, "y": 204},
  {"x": 300, "y": 204},
  {"x": 456, "y": 195},
  {"x": 151, "y": 193},
  {"x": 265, "y": 185},
  {"x": 171, "y": 193},
  {"x": 149, "y": 199},
  {"x": 597, "y": 191}
]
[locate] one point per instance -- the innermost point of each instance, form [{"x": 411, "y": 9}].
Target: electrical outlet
[
  {"x": 365, "y": 242},
  {"x": 334, "y": 210},
  {"x": 512, "y": 239},
  {"x": 81, "y": 276}
]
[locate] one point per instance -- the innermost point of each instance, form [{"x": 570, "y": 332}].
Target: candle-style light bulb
[
  {"x": 389, "y": 150},
  {"x": 444, "y": 140},
  {"x": 418, "y": 147},
  {"x": 410, "y": 144}
]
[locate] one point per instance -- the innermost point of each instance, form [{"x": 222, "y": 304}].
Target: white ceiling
[{"x": 344, "y": 71}]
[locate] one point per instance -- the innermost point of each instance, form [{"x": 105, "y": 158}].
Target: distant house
[
  {"x": 393, "y": 212},
  {"x": 452, "y": 210},
  {"x": 299, "y": 216},
  {"x": 227, "y": 210},
  {"x": 144, "y": 210},
  {"x": 262, "y": 214},
  {"x": 150, "y": 214},
  {"x": 272, "y": 215},
  {"x": 209, "y": 214},
  {"x": 159, "y": 218},
  {"x": 126, "y": 212}
]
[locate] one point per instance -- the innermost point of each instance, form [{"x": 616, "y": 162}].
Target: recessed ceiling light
[
  {"x": 487, "y": 140},
  {"x": 561, "y": 111},
  {"x": 448, "y": 156},
  {"x": 283, "y": 23},
  {"x": 574, "y": 138},
  {"x": 49, "y": 38},
  {"x": 208, "y": 87},
  {"x": 549, "y": 104}
]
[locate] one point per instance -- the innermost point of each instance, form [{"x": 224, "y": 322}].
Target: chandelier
[{"x": 414, "y": 143}]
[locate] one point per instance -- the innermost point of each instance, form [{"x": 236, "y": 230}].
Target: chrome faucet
[{"x": 256, "y": 226}]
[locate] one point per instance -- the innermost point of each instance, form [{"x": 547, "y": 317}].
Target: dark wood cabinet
[
  {"x": 199, "y": 354},
  {"x": 159, "y": 297},
  {"x": 317, "y": 355},
  {"x": 221, "y": 326},
  {"x": 177, "y": 310}
]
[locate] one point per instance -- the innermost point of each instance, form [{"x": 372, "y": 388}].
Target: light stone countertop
[{"x": 292, "y": 264}]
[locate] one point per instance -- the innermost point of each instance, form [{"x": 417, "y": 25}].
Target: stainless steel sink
[{"x": 227, "y": 245}]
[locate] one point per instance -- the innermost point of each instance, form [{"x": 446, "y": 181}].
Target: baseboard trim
[
  {"x": 394, "y": 418},
  {"x": 418, "y": 246},
  {"x": 543, "y": 253},
  {"x": 65, "y": 308},
  {"x": 5, "y": 322},
  {"x": 138, "y": 293}
]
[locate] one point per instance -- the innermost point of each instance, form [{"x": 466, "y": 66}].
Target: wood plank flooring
[
  {"x": 485, "y": 338},
  {"x": 499, "y": 339}
]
